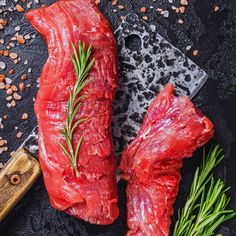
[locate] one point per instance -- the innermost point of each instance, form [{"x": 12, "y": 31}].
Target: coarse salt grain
[
  {"x": 9, "y": 98},
  {"x": 2, "y": 65},
  {"x": 188, "y": 48},
  {"x": 145, "y": 18},
  {"x": 8, "y": 80},
  {"x": 24, "y": 77},
  {"x": 24, "y": 116},
  {"x": 13, "y": 103},
  {"x": 143, "y": 9},
  {"x": 216, "y": 8},
  {"x": 2, "y": 85},
  {"x": 16, "y": 96},
  {"x": 13, "y": 55},
  {"x": 17, "y": 28},
  {"x": 19, "y": 8},
  {"x": 22, "y": 87},
  {"x": 121, "y": 7},
  {"x": 195, "y": 52},
  {"x": 27, "y": 36},
  {"x": 184, "y": 2},
  {"x": 19, "y": 134},
  {"x": 2, "y": 77},
  {"x": 181, "y": 21},
  {"x": 114, "y": 3}
]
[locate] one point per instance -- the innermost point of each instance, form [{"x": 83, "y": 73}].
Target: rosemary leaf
[
  {"x": 82, "y": 65},
  {"x": 206, "y": 205}
]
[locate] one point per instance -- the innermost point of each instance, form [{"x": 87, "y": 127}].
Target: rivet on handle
[{"x": 15, "y": 179}]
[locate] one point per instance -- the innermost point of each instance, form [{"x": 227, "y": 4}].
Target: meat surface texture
[
  {"x": 92, "y": 196},
  {"x": 172, "y": 129}
]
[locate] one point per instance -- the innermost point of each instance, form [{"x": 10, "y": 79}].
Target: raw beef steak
[
  {"x": 93, "y": 195},
  {"x": 172, "y": 130}
]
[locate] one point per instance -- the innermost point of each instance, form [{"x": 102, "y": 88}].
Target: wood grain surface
[{"x": 16, "y": 178}]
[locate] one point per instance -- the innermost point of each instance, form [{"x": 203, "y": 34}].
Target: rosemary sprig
[
  {"x": 205, "y": 208},
  {"x": 82, "y": 65}
]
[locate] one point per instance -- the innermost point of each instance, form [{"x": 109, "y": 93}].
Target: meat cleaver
[{"x": 146, "y": 63}]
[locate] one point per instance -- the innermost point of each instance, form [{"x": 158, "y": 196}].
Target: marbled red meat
[
  {"x": 172, "y": 129},
  {"x": 92, "y": 196}
]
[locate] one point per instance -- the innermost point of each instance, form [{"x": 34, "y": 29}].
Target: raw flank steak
[
  {"x": 172, "y": 130},
  {"x": 93, "y": 195}
]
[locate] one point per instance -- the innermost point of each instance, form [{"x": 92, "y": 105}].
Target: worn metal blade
[
  {"x": 31, "y": 142},
  {"x": 147, "y": 62}
]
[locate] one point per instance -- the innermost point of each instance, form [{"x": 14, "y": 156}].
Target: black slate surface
[{"x": 212, "y": 33}]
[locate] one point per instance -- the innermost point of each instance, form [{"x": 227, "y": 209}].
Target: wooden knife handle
[{"x": 16, "y": 177}]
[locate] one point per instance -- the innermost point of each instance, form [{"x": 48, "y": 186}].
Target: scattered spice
[
  {"x": 24, "y": 116},
  {"x": 8, "y": 81},
  {"x": 11, "y": 71},
  {"x": 195, "y": 52},
  {"x": 216, "y": 8},
  {"x": 17, "y": 28},
  {"x": 2, "y": 77},
  {"x": 165, "y": 13},
  {"x": 188, "y": 48},
  {"x": 145, "y": 18},
  {"x": 28, "y": 5},
  {"x": 3, "y": 22},
  {"x": 15, "y": 61},
  {"x": 19, "y": 8},
  {"x": 19, "y": 134},
  {"x": 9, "y": 98},
  {"x": 9, "y": 91},
  {"x": 8, "y": 86},
  {"x": 24, "y": 77},
  {"x": 22, "y": 87},
  {"x": 13, "y": 55},
  {"x": 182, "y": 9},
  {"x": 12, "y": 153},
  {"x": 6, "y": 53},
  {"x": 3, "y": 149},
  {"x": 114, "y": 3},
  {"x": 14, "y": 88},
  {"x": 13, "y": 103},
  {"x": 20, "y": 39},
  {"x": 16, "y": 96},
  {"x": 2, "y": 65},
  {"x": 2, "y": 85},
  {"x": 121, "y": 7},
  {"x": 184, "y": 2},
  {"x": 143, "y": 10},
  {"x": 1, "y": 142},
  {"x": 181, "y": 21}
]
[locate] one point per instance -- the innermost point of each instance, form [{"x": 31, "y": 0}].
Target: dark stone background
[{"x": 212, "y": 33}]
